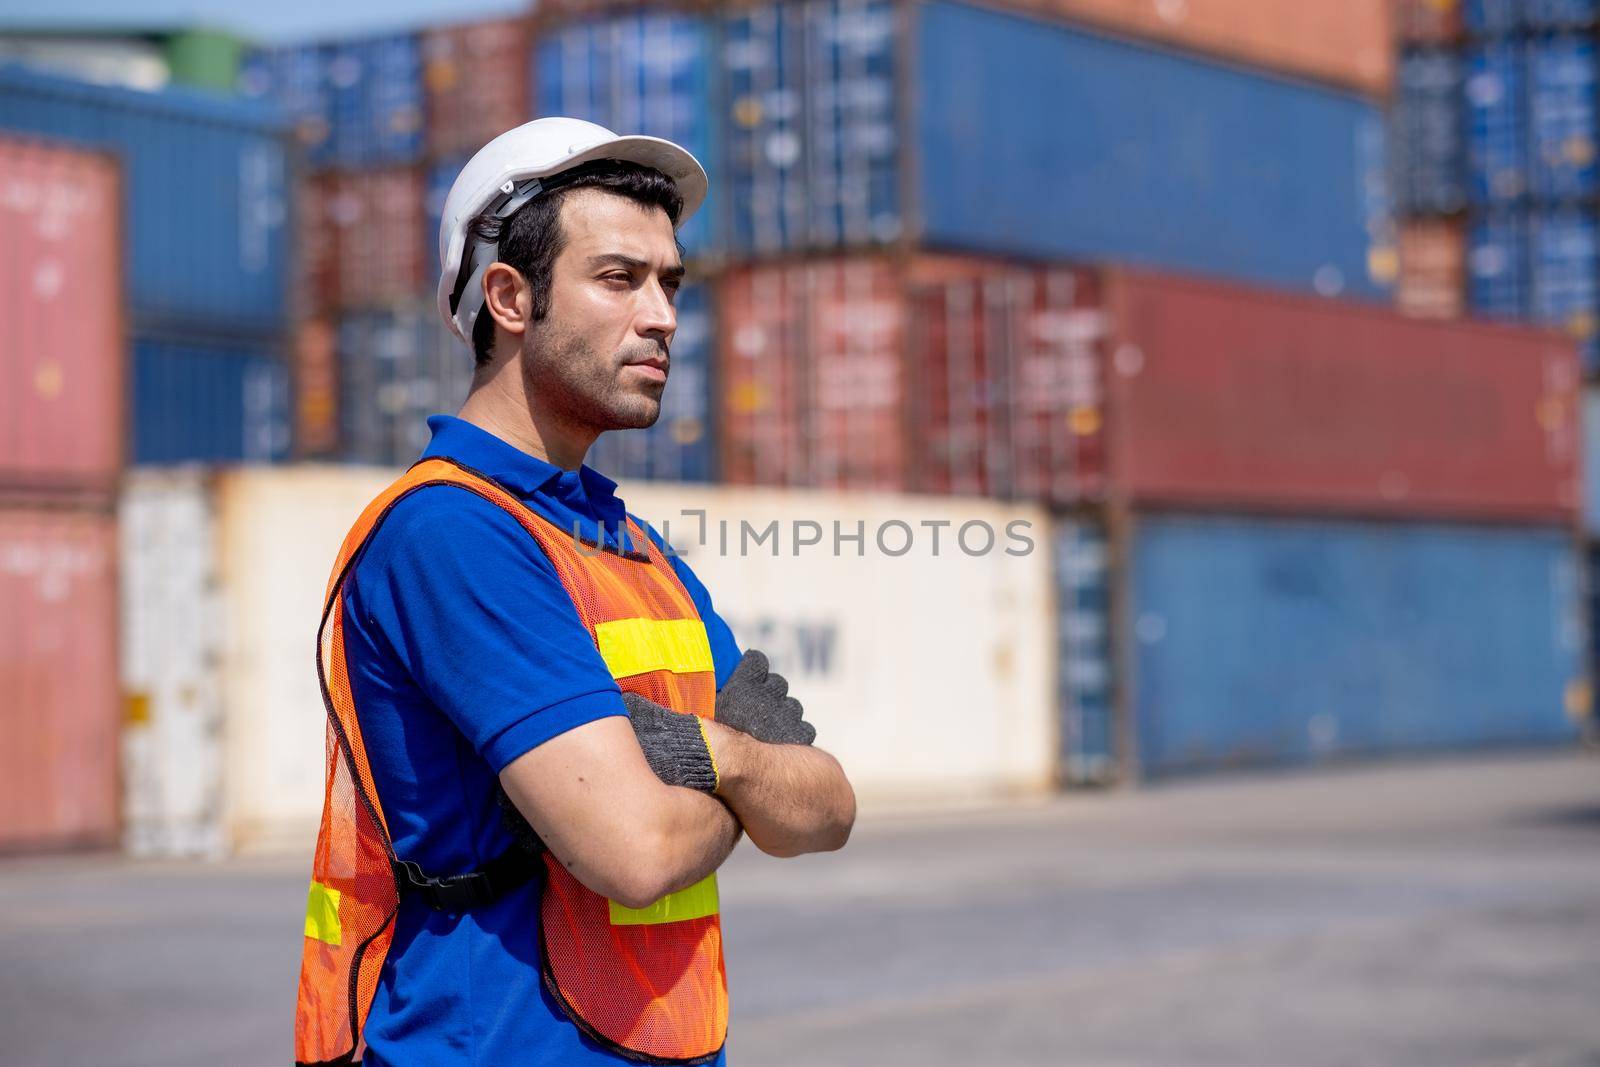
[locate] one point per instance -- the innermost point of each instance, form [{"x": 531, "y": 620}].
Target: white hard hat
[{"x": 502, "y": 177}]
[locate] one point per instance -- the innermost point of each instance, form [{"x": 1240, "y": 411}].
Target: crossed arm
[{"x": 600, "y": 809}]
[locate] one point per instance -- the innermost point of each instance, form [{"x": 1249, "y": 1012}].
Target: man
[{"x": 506, "y": 654}]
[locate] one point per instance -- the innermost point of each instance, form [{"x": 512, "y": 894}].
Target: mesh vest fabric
[{"x": 648, "y": 984}]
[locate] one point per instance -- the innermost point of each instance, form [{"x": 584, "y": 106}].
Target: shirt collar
[{"x": 585, "y": 497}]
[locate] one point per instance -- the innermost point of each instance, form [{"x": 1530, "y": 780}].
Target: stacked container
[
  {"x": 204, "y": 251},
  {"x": 1528, "y": 109},
  {"x": 62, "y": 365}
]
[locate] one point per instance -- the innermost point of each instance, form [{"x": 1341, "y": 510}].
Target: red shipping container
[
  {"x": 1427, "y": 21},
  {"x": 316, "y": 388},
  {"x": 58, "y": 671},
  {"x": 316, "y": 278},
  {"x": 378, "y": 222},
  {"x": 61, "y": 346},
  {"x": 1232, "y": 398},
  {"x": 812, "y": 387},
  {"x": 477, "y": 83},
  {"x": 1433, "y": 270},
  {"x": 1006, "y": 383}
]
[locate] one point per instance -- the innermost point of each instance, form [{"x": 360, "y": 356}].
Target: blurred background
[{"x": 1269, "y": 321}]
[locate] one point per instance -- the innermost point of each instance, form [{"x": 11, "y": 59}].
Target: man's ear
[{"x": 507, "y": 297}]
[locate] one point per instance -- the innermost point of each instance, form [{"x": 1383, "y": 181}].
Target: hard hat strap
[{"x": 479, "y": 254}]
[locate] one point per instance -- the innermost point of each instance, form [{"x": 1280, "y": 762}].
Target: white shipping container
[
  {"x": 171, "y": 667},
  {"x": 225, "y": 578}
]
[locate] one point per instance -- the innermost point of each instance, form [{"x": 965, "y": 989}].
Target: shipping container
[
  {"x": 1499, "y": 270},
  {"x": 208, "y": 400},
  {"x": 810, "y": 377},
  {"x": 379, "y": 248},
  {"x": 1433, "y": 269},
  {"x": 1004, "y": 370},
  {"x": 376, "y": 101},
  {"x": 1564, "y": 118},
  {"x": 316, "y": 275},
  {"x": 1429, "y": 136},
  {"x": 315, "y": 381},
  {"x": 679, "y": 447},
  {"x": 396, "y": 368},
  {"x": 1497, "y": 122},
  {"x": 61, "y": 346},
  {"x": 644, "y": 72},
  {"x": 1494, "y": 18},
  {"x": 1225, "y": 398},
  {"x": 1345, "y": 43},
  {"x": 1591, "y": 463},
  {"x": 1560, "y": 14},
  {"x": 174, "y": 731},
  {"x": 1427, "y": 21},
  {"x": 1086, "y": 673},
  {"x": 205, "y": 192},
  {"x": 961, "y": 583},
  {"x": 477, "y": 83},
  {"x": 1186, "y": 174},
  {"x": 437, "y": 181},
  {"x": 58, "y": 669},
  {"x": 1566, "y": 278},
  {"x": 1260, "y": 642},
  {"x": 295, "y": 80}
]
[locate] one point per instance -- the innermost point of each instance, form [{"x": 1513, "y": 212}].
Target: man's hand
[
  {"x": 674, "y": 744},
  {"x": 756, "y": 701}
]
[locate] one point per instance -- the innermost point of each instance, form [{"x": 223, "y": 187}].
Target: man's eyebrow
[{"x": 632, "y": 263}]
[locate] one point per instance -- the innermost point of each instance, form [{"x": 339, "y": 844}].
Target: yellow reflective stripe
[
  {"x": 322, "y": 914},
  {"x": 716, "y": 775},
  {"x": 639, "y": 646},
  {"x": 696, "y": 902}
]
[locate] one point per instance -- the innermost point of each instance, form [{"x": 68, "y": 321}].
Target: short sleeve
[
  {"x": 725, "y": 651},
  {"x": 474, "y": 611}
]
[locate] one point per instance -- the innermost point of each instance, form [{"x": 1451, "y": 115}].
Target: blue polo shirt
[{"x": 465, "y": 651}]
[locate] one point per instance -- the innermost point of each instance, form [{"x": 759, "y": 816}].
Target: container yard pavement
[{"x": 1436, "y": 913}]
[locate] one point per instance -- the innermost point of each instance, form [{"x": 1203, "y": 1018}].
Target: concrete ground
[{"x": 1426, "y": 914}]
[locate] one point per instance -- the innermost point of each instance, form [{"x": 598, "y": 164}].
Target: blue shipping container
[
  {"x": 1041, "y": 140},
  {"x": 1083, "y": 604},
  {"x": 679, "y": 447},
  {"x": 1489, "y": 18},
  {"x": 812, "y": 137},
  {"x": 1560, "y": 14},
  {"x": 1497, "y": 135},
  {"x": 209, "y": 402},
  {"x": 396, "y": 368},
  {"x": 1280, "y": 641},
  {"x": 436, "y": 189},
  {"x": 1563, "y": 118},
  {"x": 376, "y": 101},
  {"x": 637, "y": 73},
  {"x": 1429, "y": 138},
  {"x": 296, "y": 80},
  {"x": 1566, "y": 277},
  {"x": 205, "y": 188},
  {"x": 1499, "y": 272}
]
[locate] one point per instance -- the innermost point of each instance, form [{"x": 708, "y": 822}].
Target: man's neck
[{"x": 511, "y": 416}]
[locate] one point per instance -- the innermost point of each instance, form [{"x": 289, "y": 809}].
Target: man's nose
[{"x": 656, "y": 314}]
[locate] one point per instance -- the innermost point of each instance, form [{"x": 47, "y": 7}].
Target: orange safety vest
[{"x": 647, "y": 983}]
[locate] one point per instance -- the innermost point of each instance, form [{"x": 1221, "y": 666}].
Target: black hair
[{"x": 531, "y": 239}]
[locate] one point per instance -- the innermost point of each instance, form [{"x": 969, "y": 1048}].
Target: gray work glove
[
  {"x": 756, "y": 701},
  {"x": 673, "y": 744}
]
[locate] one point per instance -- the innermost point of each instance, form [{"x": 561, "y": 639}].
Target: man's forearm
[
  {"x": 697, "y": 831},
  {"x": 791, "y": 799}
]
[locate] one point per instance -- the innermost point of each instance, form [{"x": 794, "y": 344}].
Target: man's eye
[{"x": 619, "y": 276}]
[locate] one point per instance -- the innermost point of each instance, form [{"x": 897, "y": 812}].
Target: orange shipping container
[
  {"x": 1428, "y": 21},
  {"x": 1342, "y": 42},
  {"x": 316, "y": 388},
  {"x": 1433, "y": 270},
  {"x": 61, "y": 349},
  {"x": 477, "y": 82},
  {"x": 58, "y": 671}
]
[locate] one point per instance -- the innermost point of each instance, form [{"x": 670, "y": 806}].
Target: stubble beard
[{"x": 583, "y": 385}]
